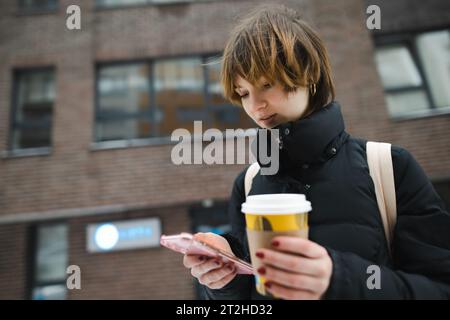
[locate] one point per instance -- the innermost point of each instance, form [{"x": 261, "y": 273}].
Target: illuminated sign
[{"x": 123, "y": 235}]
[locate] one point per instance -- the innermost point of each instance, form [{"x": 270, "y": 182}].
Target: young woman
[{"x": 276, "y": 67}]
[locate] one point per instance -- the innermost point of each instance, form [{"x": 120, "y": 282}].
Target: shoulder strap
[
  {"x": 249, "y": 175},
  {"x": 381, "y": 170}
]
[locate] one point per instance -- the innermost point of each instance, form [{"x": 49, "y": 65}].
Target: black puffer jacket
[{"x": 319, "y": 159}]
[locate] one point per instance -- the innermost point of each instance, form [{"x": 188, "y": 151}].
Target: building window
[
  {"x": 123, "y": 102},
  {"x": 48, "y": 278},
  {"x": 121, "y": 3},
  {"x": 152, "y": 99},
  {"x": 415, "y": 72},
  {"x": 31, "y": 117},
  {"x": 210, "y": 216},
  {"x": 38, "y": 5},
  {"x": 179, "y": 96}
]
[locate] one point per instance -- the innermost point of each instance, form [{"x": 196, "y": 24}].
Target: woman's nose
[{"x": 257, "y": 103}]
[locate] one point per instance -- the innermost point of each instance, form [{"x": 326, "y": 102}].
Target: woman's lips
[{"x": 267, "y": 121}]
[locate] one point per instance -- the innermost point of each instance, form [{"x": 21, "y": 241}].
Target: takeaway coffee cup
[{"x": 270, "y": 215}]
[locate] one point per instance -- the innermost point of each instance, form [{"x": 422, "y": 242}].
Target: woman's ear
[{"x": 313, "y": 89}]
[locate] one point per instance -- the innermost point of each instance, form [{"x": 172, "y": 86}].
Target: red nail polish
[
  {"x": 268, "y": 285},
  {"x": 262, "y": 270},
  {"x": 275, "y": 243},
  {"x": 260, "y": 255}
]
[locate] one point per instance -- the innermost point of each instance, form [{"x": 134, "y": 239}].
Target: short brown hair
[{"x": 275, "y": 43}]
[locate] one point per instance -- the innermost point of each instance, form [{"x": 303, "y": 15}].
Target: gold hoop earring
[{"x": 313, "y": 89}]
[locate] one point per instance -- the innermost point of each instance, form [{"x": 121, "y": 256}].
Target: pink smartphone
[{"x": 186, "y": 244}]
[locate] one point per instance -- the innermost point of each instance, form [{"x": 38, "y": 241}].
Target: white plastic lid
[{"x": 278, "y": 203}]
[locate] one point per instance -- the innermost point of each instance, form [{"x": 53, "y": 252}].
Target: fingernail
[
  {"x": 267, "y": 285},
  {"x": 262, "y": 270},
  {"x": 275, "y": 243},
  {"x": 260, "y": 255}
]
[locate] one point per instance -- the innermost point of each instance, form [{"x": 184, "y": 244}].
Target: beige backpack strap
[
  {"x": 249, "y": 175},
  {"x": 381, "y": 170}
]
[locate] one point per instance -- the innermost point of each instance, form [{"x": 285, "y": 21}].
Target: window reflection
[{"x": 179, "y": 91}]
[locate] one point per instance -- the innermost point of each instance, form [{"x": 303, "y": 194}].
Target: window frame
[
  {"x": 407, "y": 40},
  {"x": 13, "y": 126}
]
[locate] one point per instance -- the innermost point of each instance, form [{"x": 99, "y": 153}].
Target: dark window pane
[
  {"x": 35, "y": 93},
  {"x": 210, "y": 217},
  {"x": 32, "y": 137},
  {"x": 50, "y": 292},
  {"x": 123, "y": 88},
  {"x": 51, "y": 253},
  {"x": 38, "y": 4},
  {"x": 179, "y": 90}
]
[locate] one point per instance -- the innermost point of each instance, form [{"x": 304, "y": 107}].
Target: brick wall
[
  {"x": 13, "y": 261},
  {"x": 153, "y": 273}
]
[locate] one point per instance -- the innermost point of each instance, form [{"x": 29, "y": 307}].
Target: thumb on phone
[{"x": 214, "y": 240}]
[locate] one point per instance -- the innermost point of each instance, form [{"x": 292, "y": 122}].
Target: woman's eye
[
  {"x": 243, "y": 95},
  {"x": 267, "y": 86}
]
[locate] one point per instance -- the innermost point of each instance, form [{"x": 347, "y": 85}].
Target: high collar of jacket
[{"x": 312, "y": 139}]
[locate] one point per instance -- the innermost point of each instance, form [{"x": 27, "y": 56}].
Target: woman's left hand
[{"x": 296, "y": 269}]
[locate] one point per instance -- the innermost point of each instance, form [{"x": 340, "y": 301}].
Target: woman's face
[{"x": 268, "y": 104}]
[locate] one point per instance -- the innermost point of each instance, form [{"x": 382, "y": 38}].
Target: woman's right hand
[{"x": 211, "y": 272}]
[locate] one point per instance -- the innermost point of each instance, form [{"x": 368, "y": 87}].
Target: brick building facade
[{"x": 79, "y": 178}]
